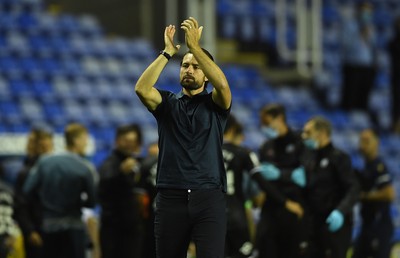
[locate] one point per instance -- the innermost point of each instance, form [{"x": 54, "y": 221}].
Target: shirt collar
[{"x": 181, "y": 94}]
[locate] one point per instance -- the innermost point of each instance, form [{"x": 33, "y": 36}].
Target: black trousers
[
  {"x": 281, "y": 234},
  {"x": 358, "y": 82},
  {"x": 64, "y": 244},
  {"x": 182, "y": 216},
  {"x": 326, "y": 244},
  {"x": 374, "y": 241}
]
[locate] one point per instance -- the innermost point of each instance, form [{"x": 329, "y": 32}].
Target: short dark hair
[
  {"x": 72, "y": 131},
  {"x": 125, "y": 129},
  {"x": 205, "y": 52},
  {"x": 322, "y": 124},
  {"x": 233, "y": 124},
  {"x": 274, "y": 110}
]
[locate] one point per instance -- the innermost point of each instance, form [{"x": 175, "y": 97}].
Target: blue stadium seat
[
  {"x": 31, "y": 110},
  {"x": 8, "y": 64},
  {"x": 26, "y": 21},
  {"x": 330, "y": 14},
  {"x": 96, "y": 113},
  {"x": 41, "y": 87},
  {"x": 74, "y": 111},
  {"x": 54, "y": 113},
  {"x": 21, "y": 88},
  {"x": 5, "y": 93},
  {"x": 10, "y": 112}
]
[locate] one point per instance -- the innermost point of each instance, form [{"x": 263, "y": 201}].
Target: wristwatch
[{"x": 168, "y": 56}]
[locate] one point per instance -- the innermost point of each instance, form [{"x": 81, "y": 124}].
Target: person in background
[
  {"x": 394, "y": 53},
  {"x": 191, "y": 180},
  {"x": 40, "y": 142},
  {"x": 65, "y": 183},
  {"x": 120, "y": 219},
  {"x": 282, "y": 231},
  {"x": 239, "y": 162},
  {"x": 148, "y": 176},
  {"x": 332, "y": 191},
  {"x": 9, "y": 230},
  {"x": 377, "y": 194},
  {"x": 358, "y": 58}
]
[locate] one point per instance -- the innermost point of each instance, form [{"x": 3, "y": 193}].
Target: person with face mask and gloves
[
  {"x": 282, "y": 231},
  {"x": 332, "y": 191}
]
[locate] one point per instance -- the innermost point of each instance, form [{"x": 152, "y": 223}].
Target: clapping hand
[{"x": 192, "y": 32}]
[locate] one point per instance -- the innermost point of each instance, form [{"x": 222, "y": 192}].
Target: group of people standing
[
  {"x": 195, "y": 184},
  {"x": 310, "y": 191}
]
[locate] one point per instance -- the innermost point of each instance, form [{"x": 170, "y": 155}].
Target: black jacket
[
  {"x": 285, "y": 153},
  {"x": 119, "y": 205},
  {"x": 332, "y": 183}
]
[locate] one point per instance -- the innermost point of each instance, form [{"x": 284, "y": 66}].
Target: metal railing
[
  {"x": 203, "y": 11},
  {"x": 308, "y": 51}
]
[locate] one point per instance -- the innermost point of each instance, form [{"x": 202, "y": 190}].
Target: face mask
[
  {"x": 269, "y": 132},
  {"x": 311, "y": 144}
]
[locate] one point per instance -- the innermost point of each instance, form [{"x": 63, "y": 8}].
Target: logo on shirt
[
  {"x": 324, "y": 163},
  {"x": 290, "y": 148}
]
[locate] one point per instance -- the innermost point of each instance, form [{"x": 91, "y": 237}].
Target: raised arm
[
  {"x": 221, "y": 94},
  {"x": 144, "y": 87}
]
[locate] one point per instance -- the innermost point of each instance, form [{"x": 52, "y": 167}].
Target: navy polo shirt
[{"x": 190, "y": 141}]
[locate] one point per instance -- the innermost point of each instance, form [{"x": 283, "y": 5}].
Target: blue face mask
[
  {"x": 269, "y": 132},
  {"x": 311, "y": 144}
]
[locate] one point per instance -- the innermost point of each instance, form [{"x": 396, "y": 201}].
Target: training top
[
  {"x": 65, "y": 183},
  {"x": 375, "y": 176},
  {"x": 190, "y": 141}
]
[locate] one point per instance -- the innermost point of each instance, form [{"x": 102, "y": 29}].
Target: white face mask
[{"x": 269, "y": 132}]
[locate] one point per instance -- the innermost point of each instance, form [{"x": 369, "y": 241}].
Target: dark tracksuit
[
  {"x": 65, "y": 183},
  {"x": 375, "y": 239},
  {"x": 32, "y": 209},
  {"x": 281, "y": 233},
  {"x": 148, "y": 174},
  {"x": 331, "y": 185},
  {"x": 120, "y": 221},
  {"x": 239, "y": 161}
]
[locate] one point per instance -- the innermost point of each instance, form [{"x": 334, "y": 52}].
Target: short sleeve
[
  {"x": 383, "y": 177},
  {"x": 162, "y": 107}
]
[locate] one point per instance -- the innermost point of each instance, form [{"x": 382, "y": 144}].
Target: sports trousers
[{"x": 182, "y": 216}]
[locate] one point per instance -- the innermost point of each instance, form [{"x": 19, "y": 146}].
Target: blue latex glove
[
  {"x": 335, "y": 220},
  {"x": 269, "y": 171},
  {"x": 299, "y": 176}
]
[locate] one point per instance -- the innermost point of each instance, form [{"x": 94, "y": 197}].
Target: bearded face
[
  {"x": 191, "y": 76},
  {"x": 189, "y": 82}
]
